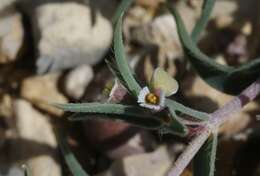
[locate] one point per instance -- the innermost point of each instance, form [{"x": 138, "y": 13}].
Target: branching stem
[{"x": 216, "y": 119}]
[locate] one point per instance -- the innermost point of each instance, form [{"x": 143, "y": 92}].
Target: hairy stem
[{"x": 216, "y": 119}]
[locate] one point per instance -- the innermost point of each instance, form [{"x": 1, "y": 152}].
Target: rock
[
  {"x": 162, "y": 32},
  {"x": 149, "y": 3},
  {"x": 42, "y": 90},
  {"x": 6, "y": 106},
  {"x": 4, "y": 4},
  {"x": 11, "y": 171},
  {"x": 37, "y": 140},
  {"x": 63, "y": 41},
  {"x": 11, "y": 36},
  {"x": 162, "y": 44},
  {"x": 156, "y": 163},
  {"x": 77, "y": 80},
  {"x": 223, "y": 13},
  {"x": 135, "y": 145},
  {"x": 224, "y": 8},
  {"x": 26, "y": 116},
  {"x": 195, "y": 4},
  {"x": 200, "y": 89},
  {"x": 188, "y": 14}
]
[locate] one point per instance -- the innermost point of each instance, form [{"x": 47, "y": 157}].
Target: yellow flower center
[{"x": 152, "y": 98}]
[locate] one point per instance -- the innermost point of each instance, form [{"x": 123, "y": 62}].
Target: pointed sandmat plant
[{"x": 152, "y": 104}]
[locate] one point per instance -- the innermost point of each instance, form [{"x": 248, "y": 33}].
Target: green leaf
[
  {"x": 69, "y": 157},
  {"x": 224, "y": 78},
  {"x": 149, "y": 122},
  {"x": 112, "y": 67},
  {"x": 121, "y": 60},
  {"x": 242, "y": 77},
  {"x": 209, "y": 70},
  {"x": 175, "y": 106},
  {"x": 103, "y": 108},
  {"x": 175, "y": 126},
  {"x": 121, "y": 9},
  {"x": 127, "y": 113},
  {"x": 204, "y": 161},
  {"x": 207, "y": 8}
]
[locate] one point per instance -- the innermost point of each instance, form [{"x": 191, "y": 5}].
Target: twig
[{"x": 216, "y": 119}]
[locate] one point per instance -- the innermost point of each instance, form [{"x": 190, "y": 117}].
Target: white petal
[
  {"x": 142, "y": 95},
  {"x": 149, "y": 106}
]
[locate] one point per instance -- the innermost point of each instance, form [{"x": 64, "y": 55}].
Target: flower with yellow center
[
  {"x": 162, "y": 85},
  {"x": 151, "y": 98}
]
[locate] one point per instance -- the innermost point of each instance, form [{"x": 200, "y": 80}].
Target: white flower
[
  {"x": 155, "y": 101},
  {"x": 162, "y": 85}
]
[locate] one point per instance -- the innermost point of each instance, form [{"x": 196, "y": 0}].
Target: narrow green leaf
[
  {"x": 175, "y": 106},
  {"x": 211, "y": 71},
  {"x": 121, "y": 60},
  {"x": 175, "y": 126},
  {"x": 224, "y": 78},
  {"x": 121, "y": 9},
  {"x": 207, "y": 8},
  {"x": 69, "y": 157},
  {"x": 204, "y": 161},
  {"x": 242, "y": 77},
  {"x": 103, "y": 108},
  {"x": 112, "y": 67},
  {"x": 127, "y": 113},
  {"x": 149, "y": 122}
]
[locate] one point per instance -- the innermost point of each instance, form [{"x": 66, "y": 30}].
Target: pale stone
[
  {"x": 4, "y": 4},
  {"x": 162, "y": 32},
  {"x": 156, "y": 163},
  {"x": 11, "y": 36},
  {"x": 77, "y": 81},
  {"x": 67, "y": 38},
  {"x": 43, "y": 90},
  {"x": 6, "y": 106},
  {"x": 35, "y": 128}
]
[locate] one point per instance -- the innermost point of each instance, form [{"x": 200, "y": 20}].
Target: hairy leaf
[
  {"x": 121, "y": 9},
  {"x": 69, "y": 157},
  {"x": 127, "y": 113},
  {"x": 224, "y": 78},
  {"x": 112, "y": 67},
  {"x": 122, "y": 64},
  {"x": 149, "y": 122},
  {"x": 175, "y": 106},
  {"x": 204, "y": 161},
  {"x": 103, "y": 108},
  {"x": 175, "y": 126},
  {"x": 203, "y": 20}
]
